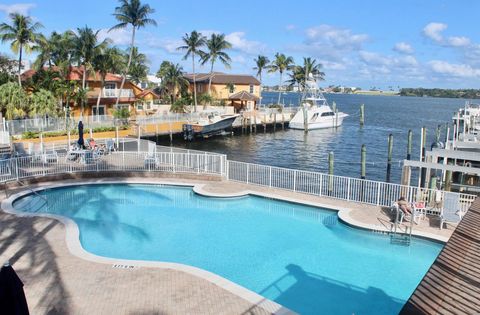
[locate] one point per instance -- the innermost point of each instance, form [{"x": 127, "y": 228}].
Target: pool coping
[{"x": 72, "y": 233}]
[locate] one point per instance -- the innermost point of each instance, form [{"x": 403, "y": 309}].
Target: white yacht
[{"x": 314, "y": 112}]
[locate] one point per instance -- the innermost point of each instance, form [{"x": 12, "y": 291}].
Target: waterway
[{"x": 384, "y": 115}]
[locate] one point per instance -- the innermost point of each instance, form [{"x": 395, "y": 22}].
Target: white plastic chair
[{"x": 451, "y": 212}]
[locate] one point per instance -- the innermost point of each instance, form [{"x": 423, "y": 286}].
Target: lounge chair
[
  {"x": 151, "y": 159},
  {"x": 110, "y": 144},
  {"x": 451, "y": 212},
  {"x": 401, "y": 215},
  {"x": 50, "y": 156}
]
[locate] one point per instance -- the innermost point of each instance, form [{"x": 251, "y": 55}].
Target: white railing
[
  {"x": 116, "y": 92},
  {"x": 337, "y": 187},
  {"x": 17, "y": 127},
  {"x": 170, "y": 162}
]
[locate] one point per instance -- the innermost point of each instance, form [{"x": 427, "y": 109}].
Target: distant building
[
  {"x": 240, "y": 91},
  {"x": 151, "y": 82},
  {"x": 130, "y": 95}
]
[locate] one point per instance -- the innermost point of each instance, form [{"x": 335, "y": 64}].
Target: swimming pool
[{"x": 299, "y": 256}]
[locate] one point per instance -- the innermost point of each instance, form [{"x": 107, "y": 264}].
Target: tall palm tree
[
  {"x": 138, "y": 68},
  {"x": 87, "y": 47},
  {"x": 216, "y": 45},
  {"x": 193, "y": 43},
  {"x": 281, "y": 64},
  {"x": 173, "y": 77},
  {"x": 22, "y": 33},
  {"x": 109, "y": 60},
  {"x": 136, "y": 14},
  {"x": 261, "y": 64}
]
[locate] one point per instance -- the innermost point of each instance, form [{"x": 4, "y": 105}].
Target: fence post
[
  {"x": 348, "y": 189},
  {"x": 173, "y": 162},
  {"x": 16, "y": 167},
  {"x": 227, "y": 168},
  {"x": 378, "y": 193},
  {"x": 270, "y": 180},
  {"x": 295, "y": 180},
  {"x": 248, "y": 170}
]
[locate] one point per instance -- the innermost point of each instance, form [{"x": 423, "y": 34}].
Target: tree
[
  {"x": 42, "y": 104},
  {"x": 216, "y": 45},
  {"x": 22, "y": 33},
  {"x": 136, "y": 14},
  {"x": 261, "y": 64},
  {"x": 281, "y": 64},
  {"x": 173, "y": 78},
  {"x": 86, "y": 48},
  {"x": 230, "y": 87},
  {"x": 193, "y": 43},
  {"x": 138, "y": 68},
  {"x": 7, "y": 69},
  {"x": 108, "y": 60},
  {"x": 13, "y": 101},
  {"x": 301, "y": 74}
]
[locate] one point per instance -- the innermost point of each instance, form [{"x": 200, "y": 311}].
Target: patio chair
[
  {"x": 110, "y": 144},
  {"x": 50, "y": 156},
  {"x": 92, "y": 156},
  {"x": 416, "y": 214},
  {"x": 451, "y": 212},
  {"x": 151, "y": 159}
]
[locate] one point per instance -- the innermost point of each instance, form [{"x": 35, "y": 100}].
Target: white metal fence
[
  {"x": 171, "y": 162},
  {"x": 17, "y": 127},
  {"x": 338, "y": 187}
]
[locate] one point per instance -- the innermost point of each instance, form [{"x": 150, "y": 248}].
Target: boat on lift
[
  {"x": 210, "y": 123},
  {"x": 314, "y": 112}
]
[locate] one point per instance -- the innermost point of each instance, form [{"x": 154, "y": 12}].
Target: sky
[{"x": 382, "y": 44}]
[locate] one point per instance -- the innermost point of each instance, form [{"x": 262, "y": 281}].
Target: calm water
[
  {"x": 383, "y": 115},
  {"x": 300, "y": 256}
]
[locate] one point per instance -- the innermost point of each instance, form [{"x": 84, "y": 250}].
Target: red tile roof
[
  {"x": 76, "y": 74},
  {"x": 223, "y": 78}
]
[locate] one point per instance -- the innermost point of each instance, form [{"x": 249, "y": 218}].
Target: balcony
[{"x": 115, "y": 92}]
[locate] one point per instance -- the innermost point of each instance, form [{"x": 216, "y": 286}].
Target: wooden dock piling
[
  {"x": 362, "y": 115},
  {"x": 389, "y": 157},
  {"x": 363, "y": 163},
  {"x": 409, "y": 144}
]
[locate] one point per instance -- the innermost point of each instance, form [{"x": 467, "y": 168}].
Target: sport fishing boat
[
  {"x": 210, "y": 123},
  {"x": 314, "y": 112}
]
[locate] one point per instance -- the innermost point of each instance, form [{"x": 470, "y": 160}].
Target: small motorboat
[{"x": 209, "y": 124}]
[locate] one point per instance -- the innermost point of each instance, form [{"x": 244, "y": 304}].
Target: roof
[
  {"x": 452, "y": 284},
  {"x": 76, "y": 74},
  {"x": 148, "y": 91},
  {"x": 243, "y": 96},
  {"x": 223, "y": 78}
]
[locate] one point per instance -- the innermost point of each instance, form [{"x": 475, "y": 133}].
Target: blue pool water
[{"x": 301, "y": 257}]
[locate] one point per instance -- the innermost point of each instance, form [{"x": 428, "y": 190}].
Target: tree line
[
  {"x": 49, "y": 90},
  {"x": 447, "y": 93}
]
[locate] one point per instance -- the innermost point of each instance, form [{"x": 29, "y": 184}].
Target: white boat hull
[{"x": 327, "y": 123}]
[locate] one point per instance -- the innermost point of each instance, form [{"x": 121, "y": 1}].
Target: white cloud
[
  {"x": 239, "y": 42},
  {"x": 403, "y": 48},
  {"x": 337, "y": 37},
  {"x": 22, "y": 8},
  {"x": 458, "y": 41},
  {"x": 117, "y": 36},
  {"x": 434, "y": 31},
  {"x": 167, "y": 44},
  {"x": 455, "y": 70}
]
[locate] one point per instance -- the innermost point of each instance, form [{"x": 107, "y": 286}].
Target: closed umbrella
[
  {"x": 80, "y": 142},
  {"x": 12, "y": 297}
]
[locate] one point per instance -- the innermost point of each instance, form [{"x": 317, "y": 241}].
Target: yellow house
[
  {"x": 241, "y": 91},
  {"x": 129, "y": 95}
]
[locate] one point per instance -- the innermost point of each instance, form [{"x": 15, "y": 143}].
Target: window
[
  {"x": 122, "y": 106},
  {"x": 252, "y": 88},
  {"x": 328, "y": 114},
  {"x": 110, "y": 86},
  {"x": 101, "y": 110}
]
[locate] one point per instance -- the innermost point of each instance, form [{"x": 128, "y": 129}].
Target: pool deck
[{"x": 57, "y": 281}]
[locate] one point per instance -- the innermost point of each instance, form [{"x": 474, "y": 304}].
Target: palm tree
[
  {"x": 22, "y": 33},
  {"x": 281, "y": 64},
  {"x": 216, "y": 46},
  {"x": 13, "y": 100},
  {"x": 43, "y": 103},
  {"x": 261, "y": 64},
  {"x": 193, "y": 43},
  {"x": 86, "y": 48},
  {"x": 173, "y": 77},
  {"x": 109, "y": 60},
  {"x": 138, "y": 68},
  {"x": 136, "y": 14}
]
